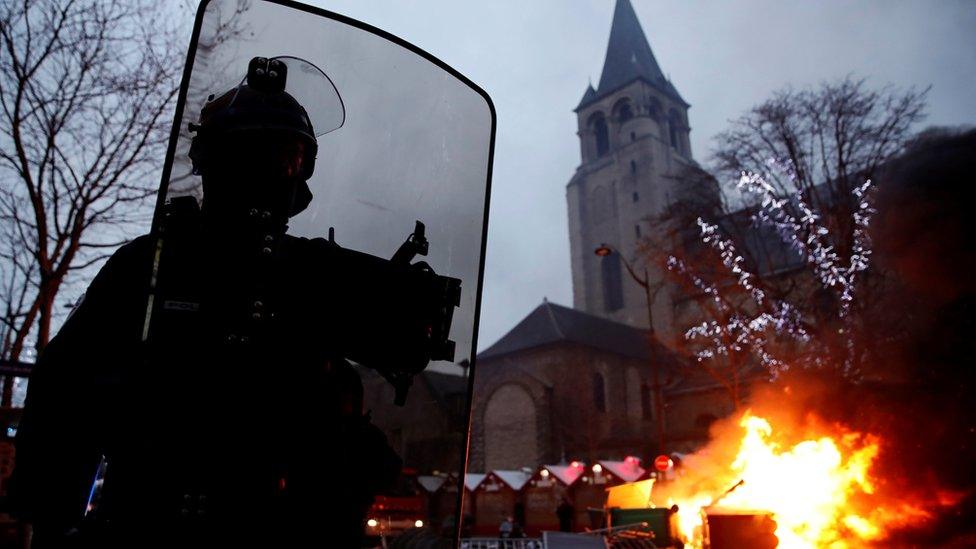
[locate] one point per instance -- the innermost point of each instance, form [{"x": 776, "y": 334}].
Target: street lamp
[{"x": 605, "y": 250}]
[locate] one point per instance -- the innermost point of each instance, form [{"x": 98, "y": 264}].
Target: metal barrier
[
  {"x": 501, "y": 543},
  {"x": 626, "y": 536}
]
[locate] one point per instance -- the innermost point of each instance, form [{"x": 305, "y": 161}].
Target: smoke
[
  {"x": 918, "y": 395},
  {"x": 925, "y": 246}
]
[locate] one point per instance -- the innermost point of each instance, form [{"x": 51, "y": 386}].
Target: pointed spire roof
[
  {"x": 629, "y": 57},
  {"x": 588, "y": 95}
]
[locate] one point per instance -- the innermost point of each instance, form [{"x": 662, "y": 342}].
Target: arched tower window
[
  {"x": 633, "y": 388},
  {"x": 647, "y": 399},
  {"x": 655, "y": 109},
  {"x": 598, "y": 124},
  {"x": 623, "y": 111},
  {"x": 674, "y": 123},
  {"x": 599, "y": 392},
  {"x": 600, "y": 204},
  {"x": 613, "y": 292}
]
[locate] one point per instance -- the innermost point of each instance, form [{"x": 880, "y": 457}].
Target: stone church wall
[{"x": 565, "y": 418}]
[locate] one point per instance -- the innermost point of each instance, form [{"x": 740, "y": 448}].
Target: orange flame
[{"x": 820, "y": 490}]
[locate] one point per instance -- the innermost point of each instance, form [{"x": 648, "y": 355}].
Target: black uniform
[{"x": 230, "y": 418}]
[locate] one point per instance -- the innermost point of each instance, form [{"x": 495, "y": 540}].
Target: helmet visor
[{"x": 314, "y": 91}]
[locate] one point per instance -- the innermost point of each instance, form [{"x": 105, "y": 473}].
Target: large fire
[{"x": 820, "y": 489}]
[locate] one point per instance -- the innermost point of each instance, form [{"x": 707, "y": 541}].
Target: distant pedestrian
[
  {"x": 506, "y": 527},
  {"x": 565, "y": 512},
  {"x": 518, "y": 513}
]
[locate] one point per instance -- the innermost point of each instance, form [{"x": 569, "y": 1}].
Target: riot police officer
[{"x": 206, "y": 364}]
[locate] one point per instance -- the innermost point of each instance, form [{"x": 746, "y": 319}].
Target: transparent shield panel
[{"x": 412, "y": 144}]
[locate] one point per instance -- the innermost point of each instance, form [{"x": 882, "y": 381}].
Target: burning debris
[
  {"x": 817, "y": 481},
  {"x": 868, "y": 436}
]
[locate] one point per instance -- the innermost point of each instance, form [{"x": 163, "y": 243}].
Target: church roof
[
  {"x": 444, "y": 386},
  {"x": 550, "y": 323},
  {"x": 629, "y": 57}
]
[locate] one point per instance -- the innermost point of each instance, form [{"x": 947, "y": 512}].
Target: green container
[{"x": 660, "y": 521}]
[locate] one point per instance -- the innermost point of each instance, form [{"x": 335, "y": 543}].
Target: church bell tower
[{"x": 635, "y": 160}]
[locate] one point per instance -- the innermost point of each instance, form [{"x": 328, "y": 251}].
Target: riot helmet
[{"x": 255, "y": 144}]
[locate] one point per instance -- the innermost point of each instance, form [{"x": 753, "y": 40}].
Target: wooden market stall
[
  {"x": 590, "y": 493},
  {"x": 549, "y": 488},
  {"x": 496, "y": 497},
  {"x": 468, "y": 503},
  {"x": 441, "y": 492}
]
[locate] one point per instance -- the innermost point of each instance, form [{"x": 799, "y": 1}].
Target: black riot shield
[{"x": 319, "y": 245}]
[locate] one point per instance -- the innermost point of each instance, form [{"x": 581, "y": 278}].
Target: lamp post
[{"x": 605, "y": 250}]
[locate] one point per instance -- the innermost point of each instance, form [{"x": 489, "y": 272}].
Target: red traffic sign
[{"x": 663, "y": 463}]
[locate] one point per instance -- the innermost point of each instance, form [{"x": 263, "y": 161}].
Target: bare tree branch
[
  {"x": 773, "y": 284},
  {"x": 86, "y": 92}
]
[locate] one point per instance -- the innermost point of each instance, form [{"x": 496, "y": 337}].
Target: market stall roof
[
  {"x": 472, "y": 480},
  {"x": 627, "y": 470},
  {"x": 431, "y": 483},
  {"x": 514, "y": 479},
  {"x": 567, "y": 474}
]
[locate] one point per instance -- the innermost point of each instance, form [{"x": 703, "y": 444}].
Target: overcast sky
[{"x": 535, "y": 57}]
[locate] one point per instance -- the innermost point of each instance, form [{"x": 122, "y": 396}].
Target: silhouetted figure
[
  {"x": 228, "y": 416},
  {"x": 467, "y": 525},
  {"x": 517, "y": 530},
  {"x": 518, "y": 514},
  {"x": 565, "y": 512}
]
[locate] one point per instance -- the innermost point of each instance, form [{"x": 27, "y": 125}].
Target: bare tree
[
  {"x": 781, "y": 281},
  {"x": 828, "y": 140},
  {"x": 86, "y": 95}
]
